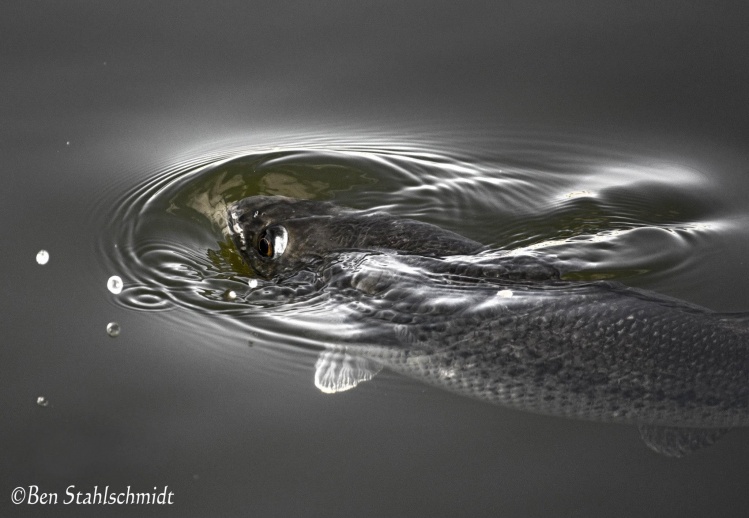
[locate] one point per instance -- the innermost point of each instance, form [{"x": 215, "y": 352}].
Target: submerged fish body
[{"x": 504, "y": 328}]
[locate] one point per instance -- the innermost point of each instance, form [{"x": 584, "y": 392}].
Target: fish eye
[
  {"x": 265, "y": 247},
  {"x": 272, "y": 242}
]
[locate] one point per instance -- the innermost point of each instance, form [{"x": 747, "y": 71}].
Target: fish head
[{"x": 278, "y": 236}]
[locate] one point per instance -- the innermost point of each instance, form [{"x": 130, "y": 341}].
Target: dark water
[{"x": 610, "y": 134}]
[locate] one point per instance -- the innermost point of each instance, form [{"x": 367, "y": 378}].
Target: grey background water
[{"x": 96, "y": 98}]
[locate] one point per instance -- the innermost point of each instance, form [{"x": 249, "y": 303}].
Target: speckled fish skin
[
  {"x": 317, "y": 229},
  {"x": 597, "y": 351},
  {"x": 506, "y": 329}
]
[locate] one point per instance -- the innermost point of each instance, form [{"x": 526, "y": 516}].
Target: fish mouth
[{"x": 234, "y": 227}]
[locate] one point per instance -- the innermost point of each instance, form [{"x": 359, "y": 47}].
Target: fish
[{"x": 501, "y": 327}]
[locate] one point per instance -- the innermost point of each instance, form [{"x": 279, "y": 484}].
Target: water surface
[{"x": 611, "y": 135}]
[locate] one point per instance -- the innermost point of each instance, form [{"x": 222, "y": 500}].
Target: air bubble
[
  {"x": 42, "y": 401},
  {"x": 230, "y": 295},
  {"x": 113, "y": 329},
  {"x": 114, "y": 284},
  {"x": 253, "y": 283},
  {"x": 505, "y": 294},
  {"x": 42, "y": 257}
]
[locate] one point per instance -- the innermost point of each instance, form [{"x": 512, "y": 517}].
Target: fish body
[{"x": 505, "y": 328}]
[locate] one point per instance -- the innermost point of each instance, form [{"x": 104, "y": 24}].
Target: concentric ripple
[{"x": 606, "y": 213}]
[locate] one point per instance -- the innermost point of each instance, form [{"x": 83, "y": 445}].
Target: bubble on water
[
  {"x": 42, "y": 401},
  {"x": 113, "y": 329},
  {"x": 505, "y": 294},
  {"x": 114, "y": 284},
  {"x": 253, "y": 283},
  {"x": 42, "y": 257},
  {"x": 230, "y": 295}
]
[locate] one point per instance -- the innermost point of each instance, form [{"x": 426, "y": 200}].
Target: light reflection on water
[
  {"x": 611, "y": 214},
  {"x": 125, "y": 109}
]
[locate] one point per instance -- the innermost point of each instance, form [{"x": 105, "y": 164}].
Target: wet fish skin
[
  {"x": 598, "y": 351},
  {"x": 506, "y": 329},
  {"x": 317, "y": 229}
]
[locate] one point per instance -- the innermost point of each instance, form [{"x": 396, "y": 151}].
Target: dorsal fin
[{"x": 674, "y": 441}]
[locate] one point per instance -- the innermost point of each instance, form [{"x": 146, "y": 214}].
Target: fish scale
[
  {"x": 585, "y": 346},
  {"x": 505, "y": 328}
]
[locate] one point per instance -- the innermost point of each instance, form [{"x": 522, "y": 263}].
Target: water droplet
[
  {"x": 42, "y": 257},
  {"x": 113, "y": 329},
  {"x": 42, "y": 401},
  {"x": 253, "y": 283},
  {"x": 114, "y": 284}
]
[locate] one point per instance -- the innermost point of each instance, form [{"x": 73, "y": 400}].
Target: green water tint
[
  {"x": 209, "y": 193},
  {"x": 204, "y": 198}
]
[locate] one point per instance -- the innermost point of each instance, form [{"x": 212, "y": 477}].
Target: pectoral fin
[
  {"x": 336, "y": 370},
  {"x": 674, "y": 441}
]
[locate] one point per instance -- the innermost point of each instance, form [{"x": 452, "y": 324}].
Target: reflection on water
[
  {"x": 601, "y": 213},
  {"x": 616, "y": 216},
  {"x": 117, "y": 124}
]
